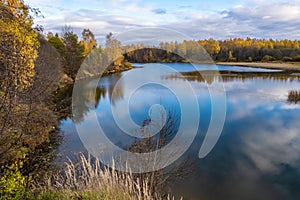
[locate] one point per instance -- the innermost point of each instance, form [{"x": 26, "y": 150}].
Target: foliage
[
  {"x": 18, "y": 51},
  {"x": 74, "y": 52},
  {"x": 71, "y": 50},
  {"x": 88, "y": 40},
  {"x": 29, "y": 74},
  {"x": 56, "y": 42},
  {"x": 19, "y": 45},
  {"x": 13, "y": 184},
  {"x": 236, "y": 49},
  {"x": 268, "y": 58}
]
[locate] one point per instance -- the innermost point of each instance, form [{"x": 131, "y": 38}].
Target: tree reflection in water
[{"x": 294, "y": 97}]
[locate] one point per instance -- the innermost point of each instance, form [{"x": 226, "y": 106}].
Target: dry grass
[
  {"x": 87, "y": 179},
  {"x": 268, "y": 65}
]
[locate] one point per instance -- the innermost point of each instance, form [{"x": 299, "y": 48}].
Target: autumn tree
[
  {"x": 113, "y": 47},
  {"x": 113, "y": 52},
  {"x": 88, "y": 41},
  {"x": 26, "y": 118},
  {"x": 212, "y": 47},
  {"x": 18, "y": 51}
]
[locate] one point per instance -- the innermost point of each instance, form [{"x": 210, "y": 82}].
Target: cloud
[
  {"x": 160, "y": 11},
  {"x": 257, "y": 18},
  {"x": 260, "y": 20}
]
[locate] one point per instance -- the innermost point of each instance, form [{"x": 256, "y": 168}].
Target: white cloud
[
  {"x": 257, "y": 18},
  {"x": 270, "y": 148}
]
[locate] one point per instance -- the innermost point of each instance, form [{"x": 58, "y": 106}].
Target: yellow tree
[
  {"x": 88, "y": 40},
  {"x": 18, "y": 51},
  {"x": 18, "y": 43},
  {"x": 211, "y": 46}
]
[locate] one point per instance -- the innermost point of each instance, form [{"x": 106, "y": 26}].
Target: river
[{"x": 258, "y": 153}]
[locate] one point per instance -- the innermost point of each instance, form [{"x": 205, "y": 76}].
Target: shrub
[
  {"x": 268, "y": 58},
  {"x": 233, "y": 59},
  {"x": 297, "y": 58},
  {"x": 13, "y": 183},
  {"x": 286, "y": 59}
]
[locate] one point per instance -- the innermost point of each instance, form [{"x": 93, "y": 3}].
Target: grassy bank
[
  {"x": 87, "y": 179},
  {"x": 268, "y": 65}
]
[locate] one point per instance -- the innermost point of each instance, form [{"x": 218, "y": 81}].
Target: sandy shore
[{"x": 270, "y": 65}]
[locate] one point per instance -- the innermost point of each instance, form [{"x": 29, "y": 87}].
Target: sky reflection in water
[{"x": 258, "y": 153}]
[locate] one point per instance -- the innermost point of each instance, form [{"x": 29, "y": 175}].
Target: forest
[
  {"x": 229, "y": 50},
  {"x": 117, "y": 57}
]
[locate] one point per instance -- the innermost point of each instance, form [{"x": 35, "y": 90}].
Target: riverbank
[
  {"x": 85, "y": 179},
  {"x": 267, "y": 65}
]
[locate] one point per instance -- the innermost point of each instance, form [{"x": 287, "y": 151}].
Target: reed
[{"x": 88, "y": 179}]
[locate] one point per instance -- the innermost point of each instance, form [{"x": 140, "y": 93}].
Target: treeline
[
  {"x": 210, "y": 77},
  {"x": 230, "y": 50},
  {"x": 116, "y": 57},
  {"x": 252, "y": 49},
  {"x": 73, "y": 52}
]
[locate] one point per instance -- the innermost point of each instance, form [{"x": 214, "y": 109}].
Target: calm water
[{"x": 258, "y": 153}]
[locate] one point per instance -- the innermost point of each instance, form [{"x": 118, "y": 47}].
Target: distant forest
[{"x": 230, "y": 50}]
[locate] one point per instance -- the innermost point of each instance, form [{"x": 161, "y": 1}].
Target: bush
[
  {"x": 233, "y": 59},
  {"x": 268, "y": 58},
  {"x": 127, "y": 65},
  {"x": 286, "y": 59},
  {"x": 13, "y": 183},
  {"x": 297, "y": 58}
]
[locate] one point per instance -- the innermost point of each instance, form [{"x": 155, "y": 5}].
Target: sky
[{"x": 218, "y": 19}]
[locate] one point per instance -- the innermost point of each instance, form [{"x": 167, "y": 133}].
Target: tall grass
[{"x": 87, "y": 179}]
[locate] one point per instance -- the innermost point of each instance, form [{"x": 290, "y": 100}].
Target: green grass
[{"x": 87, "y": 194}]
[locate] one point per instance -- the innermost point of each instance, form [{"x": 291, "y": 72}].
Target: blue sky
[{"x": 198, "y": 19}]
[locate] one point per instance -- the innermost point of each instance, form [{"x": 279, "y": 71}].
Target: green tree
[
  {"x": 74, "y": 52},
  {"x": 56, "y": 42}
]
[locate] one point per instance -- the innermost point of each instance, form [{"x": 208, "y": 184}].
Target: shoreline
[{"x": 267, "y": 65}]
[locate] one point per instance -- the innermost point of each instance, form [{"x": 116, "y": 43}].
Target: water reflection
[
  {"x": 229, "y": 76},
  {"x": 104, "y": 90},
  {"x": 258, "y": 154},
  {"x": 294, "y": 97}
]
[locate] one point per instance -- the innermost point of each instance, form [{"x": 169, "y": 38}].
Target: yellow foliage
[{"x": 18, "y": 43}]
